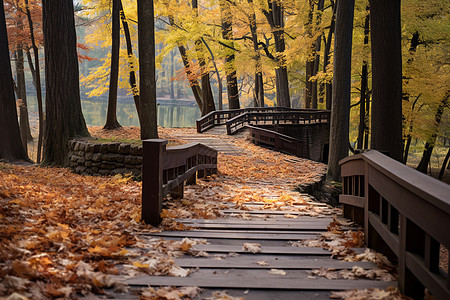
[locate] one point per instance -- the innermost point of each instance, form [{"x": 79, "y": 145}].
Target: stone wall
[{"x": 89, "y": 158}]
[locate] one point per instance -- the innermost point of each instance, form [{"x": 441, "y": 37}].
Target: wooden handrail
[
  {"x": 165, "y": 170},
  {"x": 405, "y": 214},
  {"x": 279, "y": 117},
  {"x": 276, "y": 141},
  {"x": 219, "y": 117}
]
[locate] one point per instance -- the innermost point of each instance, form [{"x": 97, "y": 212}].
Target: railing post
[{"x": 152, "y": 180}]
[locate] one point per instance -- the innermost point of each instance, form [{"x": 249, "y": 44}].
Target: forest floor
[{"x": 65, "y": 235}]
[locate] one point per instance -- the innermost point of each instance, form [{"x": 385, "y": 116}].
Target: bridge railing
[
  {"x": 276, "y": 141},
  {"x": 405, "y": 214},
  {"x": 219, "y": 117},
  {"x": 164, "y": 170},
  {"x": 277, "y": 117}
]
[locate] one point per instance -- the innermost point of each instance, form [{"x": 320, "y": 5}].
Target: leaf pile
[
  {"x": 64, "y": 234},
  {"x": 369, "y": 294}
]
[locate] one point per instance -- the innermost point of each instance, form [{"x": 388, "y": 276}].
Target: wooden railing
[
  {"x": 165, "y": 171},
  {"x": 276, "y": 141},
  {"x": 405, "y": 214},
  {"x": 219, "y": 117},
  {"x": 278, "y": 117}
]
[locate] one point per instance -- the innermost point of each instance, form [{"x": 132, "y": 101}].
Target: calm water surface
[{"x": 94, "y": 112}]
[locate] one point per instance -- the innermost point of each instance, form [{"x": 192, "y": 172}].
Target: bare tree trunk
[
  {"x": 36, "y": 73},
  {"x": 340, "y": 112},
  {"x": 386, "y": 77},
  {"x": 111, "y": 115},
  {"x": 147, "y": 77},
  {"x": 63, "y": 106},
  {"x": 11, "y": 147}
]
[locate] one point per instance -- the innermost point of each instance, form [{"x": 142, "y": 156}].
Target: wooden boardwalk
[
  {"x": 280, "y": 266},
  {"x": 278, "y": 270}
]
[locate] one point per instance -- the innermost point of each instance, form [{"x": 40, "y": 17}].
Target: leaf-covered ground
[{"x": 66, "y": 236}]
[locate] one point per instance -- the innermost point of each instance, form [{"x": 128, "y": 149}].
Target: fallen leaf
[
  {"x": 178, "y": 271},
  {"x": 252, "y": 247},
  {"x": 277, "y": 272}
]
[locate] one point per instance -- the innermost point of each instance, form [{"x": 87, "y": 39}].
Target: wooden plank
[
  {"x": 305, "y": 219},
  {"x": 264, "y": 249},
  {"x": 243, "y": 231},
  {"x": 261, "y": 294},
  {"x": 285, "y": 227},
  {"x": 250, "y": 261},
  {"x": 265, "y": 212},
  {"x": 248, "y": 283},
  {"x": 233, "y": 235},
  {"x": 352, "y": 200}
]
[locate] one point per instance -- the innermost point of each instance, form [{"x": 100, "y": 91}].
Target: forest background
[{"x": 243, "y": 30}]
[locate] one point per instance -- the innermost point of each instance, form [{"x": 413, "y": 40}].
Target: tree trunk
[
  {"x": 431, "y": 141},
  {"x": 147, "y": 77},
  {"x": 259, "y": 83},
  {"x": 275, "y": 19},
  {"x": 24, "y": 123},
  {"x": 111, "y": 115},
  {"x": 326, "y": 58},
  {"x": 340, "y": 111},
  {"x": 134, "y": 88},
  {"x": 192, "y": 82},
  {"x": 363, "y": 128},
  {"x": 317, "y": 46},
  {"x": 11, "y": 147},
  {"x": 445, "y": 163},
  {"x": 230, "y": 68},
  {"x": 386, "y": 114},
  {"x": 172, "y": 74},
  {"x": 282, "y": 82},
  {"x": 35, "y": 71},
  {"x": 207, "y": 95},
  {"x": 219, "y": 79},
  {"x": 63, "y": 106}
]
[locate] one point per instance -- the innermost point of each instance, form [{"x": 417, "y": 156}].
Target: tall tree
[
  {"x": 11, "y": 147},
  {"x": 259, "y": 83},
  {"x": 21, "y": 91},
  {"x": 111, "y": 115},
  {"x": 386, "y": 124},
  {"x": 147, "y": 80},
  {"x": 364, "y": 106},
  {"x": 63, "y": 106},
  {"x": 275, "y": 18},
  {"x": 207, "y": 95},
  {"x": 230, "y": 69},
  {"x": 340, "y": 107},
  {"x": 36, "y": 74}
]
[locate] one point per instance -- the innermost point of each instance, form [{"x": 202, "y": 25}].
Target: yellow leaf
[{"x": 140, "y": 265}]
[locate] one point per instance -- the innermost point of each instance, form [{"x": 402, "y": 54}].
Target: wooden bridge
[
  {"x": 300, "y": 132},
  {"x": 297, "y": 249}
]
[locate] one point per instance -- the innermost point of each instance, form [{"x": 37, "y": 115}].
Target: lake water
[{"x": 94, "y": 112}]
